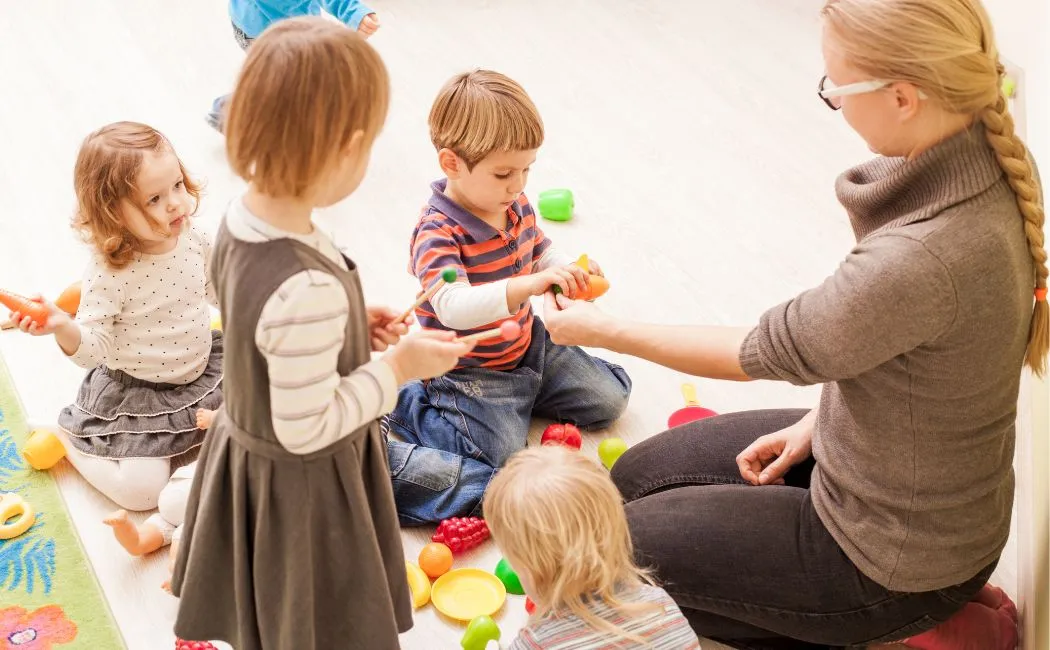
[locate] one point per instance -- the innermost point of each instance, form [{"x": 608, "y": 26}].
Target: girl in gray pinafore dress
[{"x": 283, "y": 551}]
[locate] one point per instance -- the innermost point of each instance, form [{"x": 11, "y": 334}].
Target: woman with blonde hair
[
  {"x": 559, "y": 521},
  {"x": 880, "y": 515}
]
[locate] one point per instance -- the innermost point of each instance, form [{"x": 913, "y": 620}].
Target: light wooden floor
[{"x": 701, "y": 160}]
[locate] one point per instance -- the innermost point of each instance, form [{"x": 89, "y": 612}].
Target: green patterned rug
[{"x": 49, "y": 597}]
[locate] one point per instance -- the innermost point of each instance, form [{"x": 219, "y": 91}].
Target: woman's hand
[
  {"x": 575, "y": 322},
  {"x": 381, "y": 329},
  {"x": 767, "y": 460}
]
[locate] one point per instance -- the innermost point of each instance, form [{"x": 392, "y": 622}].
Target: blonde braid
[{"x": 1013, "y": 158}]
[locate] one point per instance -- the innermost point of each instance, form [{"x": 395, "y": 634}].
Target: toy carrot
[{"x": 36, "y": 311}]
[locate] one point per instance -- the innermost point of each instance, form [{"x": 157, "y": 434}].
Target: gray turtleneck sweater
[{"x": 919, "y": 339}]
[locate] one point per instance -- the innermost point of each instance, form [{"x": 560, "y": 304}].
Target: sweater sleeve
[
  {"x": 300, "y": 333},
  {"x": 889, "y": 296},
  {"x": 209, "y": 287},
  {"x": 349, "y": 12},
  {"x": 102, "y": 298}
]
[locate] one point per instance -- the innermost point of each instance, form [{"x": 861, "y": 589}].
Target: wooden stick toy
[
  {"x": 447, "y": 276},
  {"x": 508, "y": 331}
]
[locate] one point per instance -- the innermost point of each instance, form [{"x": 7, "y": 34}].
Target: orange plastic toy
[
  {"x": 596, "y": 284},
  {"x": 43, "y": 449},
  {"x": 35, "y": 310},
  {"x": 69, "y": 300},
  {"x": 435, "y": 559}
]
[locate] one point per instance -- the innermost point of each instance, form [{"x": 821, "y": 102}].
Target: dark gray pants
[{"x": 754, "y": 567}]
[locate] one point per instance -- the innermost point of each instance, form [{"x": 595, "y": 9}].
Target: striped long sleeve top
[
  {"x": 300, "y": 333},
  {"x": 662, "y": 629},
  {"x": 485, "y": 260}
]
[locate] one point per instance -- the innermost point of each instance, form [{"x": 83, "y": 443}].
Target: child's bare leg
[
  {"x": 137, "y": 540},
  {"x": 172, "y": 554},
  {"x": 204, "y": 418}
]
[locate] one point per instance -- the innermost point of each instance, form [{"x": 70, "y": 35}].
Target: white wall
[{"x": 1021, "y": 29}]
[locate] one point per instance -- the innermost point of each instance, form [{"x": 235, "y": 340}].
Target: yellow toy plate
[{"x": 464, "y": 594}]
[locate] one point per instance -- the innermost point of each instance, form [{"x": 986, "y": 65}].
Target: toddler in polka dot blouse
[{"x": 143, "y": 331}]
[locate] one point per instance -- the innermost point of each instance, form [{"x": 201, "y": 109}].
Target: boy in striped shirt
[{"x": 487, "y": 132}]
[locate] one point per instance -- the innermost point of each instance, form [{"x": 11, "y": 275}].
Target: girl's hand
[
  {"x": 768, "y": 459},
  {"x": 575, "y": 322},
  {"x": 382, "y": 329},
  {"x": 56, "y": 319},
  {"x": 426, "y": 354}
]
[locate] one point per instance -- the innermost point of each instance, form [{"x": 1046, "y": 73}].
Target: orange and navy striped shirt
[{"x": 448, "y": 235}]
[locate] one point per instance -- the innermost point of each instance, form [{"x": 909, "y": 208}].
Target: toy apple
[
  {"x": 562, "y": 434},
  {"x": 610, "y": 451}
]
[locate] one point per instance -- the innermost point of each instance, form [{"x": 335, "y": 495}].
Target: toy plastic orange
[
  {"x": 435, "y": 559},
  {"x": 69, "y": 300}
]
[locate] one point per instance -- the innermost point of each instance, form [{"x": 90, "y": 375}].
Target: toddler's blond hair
[
  {"x": 481, "y": 112},
  {"x": 307, "y": 86},
  {"x": 558, "y": 516}
]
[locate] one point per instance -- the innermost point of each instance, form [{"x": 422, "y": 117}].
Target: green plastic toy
[
  {"x": 509, "y": 578},
  {"x": 480, "y": 631},
  {"x": 556, "y": 205}
]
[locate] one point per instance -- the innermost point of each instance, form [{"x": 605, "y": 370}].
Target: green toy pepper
[
  {"x": 480, "y": 631},
  {"x": 556, "y": 205}
]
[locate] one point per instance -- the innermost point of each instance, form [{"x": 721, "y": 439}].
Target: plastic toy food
[
  {"x": 610, "y": 451},
  {"x": 562, "y": 434},
  {"x": 43, "y": 449},
  {"x": 461, "y": 534},
  {"x": 597, "y": 286},
  {"x": 419, "y": 584},
  {"x": 69, "y": 300},
  {"x": 193, "y": 645},
  {"x": 435, "y": 559},
  {"x": 530, "y": 607},
  {"x": 556, "y": 205},
  {"x": 37, "y": 311},
  {"x": 480, "y": 631},
  {"x": 509, "y": 578}
]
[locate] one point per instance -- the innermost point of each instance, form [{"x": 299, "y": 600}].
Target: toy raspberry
[
  {"x": 461, "y": 533},
  {"x": 193, "y": 645}
]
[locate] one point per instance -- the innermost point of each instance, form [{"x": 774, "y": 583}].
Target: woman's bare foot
[
  {"x": 137, "y": 540},
  {"x": 205, "y": 418}
]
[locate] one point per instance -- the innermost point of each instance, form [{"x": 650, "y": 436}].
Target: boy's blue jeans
[{"x": 475, "y": 417}]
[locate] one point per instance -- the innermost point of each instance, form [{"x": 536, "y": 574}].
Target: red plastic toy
[
  {"x": 530, "y": 607},
  {"x": 562, "y": 434},
  {"x": 461, "y": 533},
  {"x": 193, "y": 645}
]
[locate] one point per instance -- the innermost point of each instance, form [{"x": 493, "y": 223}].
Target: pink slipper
[
  {"x": 996, "y": 598},
  {"x": 974, "y": 627}
]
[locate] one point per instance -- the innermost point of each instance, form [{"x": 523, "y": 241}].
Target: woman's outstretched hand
[
  {"x": 575, "y": 322},
  {"x": 767, "y": 460}
]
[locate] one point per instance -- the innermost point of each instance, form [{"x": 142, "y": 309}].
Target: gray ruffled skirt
[{"x": 119, "y": 416}]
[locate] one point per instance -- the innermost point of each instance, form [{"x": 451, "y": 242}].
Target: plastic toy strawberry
[
  {"x": 461, "y": 533},
  {"x": 193, "y": 645}
]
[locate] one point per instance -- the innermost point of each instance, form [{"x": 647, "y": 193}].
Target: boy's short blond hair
[
  {"x": 479, "y": 112},
  {"x": 307, "y": 86},
  {"x": 558, "y": 516}
]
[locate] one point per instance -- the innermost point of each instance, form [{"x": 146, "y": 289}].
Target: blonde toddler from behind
[{"x": 560, "y": 522}]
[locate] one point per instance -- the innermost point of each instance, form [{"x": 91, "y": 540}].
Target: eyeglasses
[{"x": 832, "y": 96}]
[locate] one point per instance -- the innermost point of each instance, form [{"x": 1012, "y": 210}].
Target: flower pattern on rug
[{"x": 37, "y": 630}]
